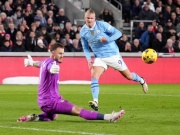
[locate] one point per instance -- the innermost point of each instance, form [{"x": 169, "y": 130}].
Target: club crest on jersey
[
  {"x": 92, "y": 32},
  {"x": 98, "y": 31}
]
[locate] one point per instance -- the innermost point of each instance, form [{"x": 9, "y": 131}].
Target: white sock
[
  {"x": 141, "y": 81},
  {"x": 37, "y": 118},
  {"x": 96, "y": 100},
  {"x": 107, "y": 116},
  {"x": 32, "y": 119}
]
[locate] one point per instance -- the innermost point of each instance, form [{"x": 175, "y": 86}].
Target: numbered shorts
[{"x": 116, "y": 62}]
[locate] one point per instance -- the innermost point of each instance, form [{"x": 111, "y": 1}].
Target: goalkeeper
[{"x": 50, "y": 101}]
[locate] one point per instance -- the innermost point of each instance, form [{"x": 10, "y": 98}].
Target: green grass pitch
[{"x": 155, "y": 113}]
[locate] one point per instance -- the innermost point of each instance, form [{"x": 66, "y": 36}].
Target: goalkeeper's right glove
[
  {"x": 28, "y": 61},
  {"x": 54, "y": 68}
]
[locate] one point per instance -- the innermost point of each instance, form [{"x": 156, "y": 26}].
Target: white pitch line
[{"x": 55, "y": 131}]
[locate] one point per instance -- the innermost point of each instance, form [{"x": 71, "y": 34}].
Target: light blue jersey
[{"x": 91, "y": 37}]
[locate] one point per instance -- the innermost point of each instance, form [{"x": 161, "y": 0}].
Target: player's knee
[
  {"x": 76, "y": 110},
  {"x": 97, "y": 72},
  {"x": 96, "y": 75}
]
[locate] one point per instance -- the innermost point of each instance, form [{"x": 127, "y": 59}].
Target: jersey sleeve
[
  {"x": 49, "y": 65},
  {"x": 40, "y": 63},
  {"x": 46, "y": 65},
  {"x": 112, "y": 31}
]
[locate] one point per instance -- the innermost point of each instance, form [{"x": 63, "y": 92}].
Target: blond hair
[{"x": 90, "y": 11}]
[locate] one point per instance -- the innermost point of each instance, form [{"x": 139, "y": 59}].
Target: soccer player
[
  {"x": 49, "y": 100},
  {"x": 100, "y": 37}
]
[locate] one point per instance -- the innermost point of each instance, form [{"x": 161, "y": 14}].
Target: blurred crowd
[
  {"x": 30, "y": 25},
  {"x": 162, "y": 33}
]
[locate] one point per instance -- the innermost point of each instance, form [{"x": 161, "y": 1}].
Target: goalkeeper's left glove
[
  {"x": 54, "y": 68},
  {"x": 28, "y": 61}
]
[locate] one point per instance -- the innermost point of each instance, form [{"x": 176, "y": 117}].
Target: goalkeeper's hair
[{"x": 55, "y": 46}]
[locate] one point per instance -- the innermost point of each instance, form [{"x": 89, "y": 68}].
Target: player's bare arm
[
  {"x": 90, "y": 64},
  {"x": 36, "y": 64}
]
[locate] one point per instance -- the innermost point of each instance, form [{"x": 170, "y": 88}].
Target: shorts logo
[{"x": 120, "y": 62}]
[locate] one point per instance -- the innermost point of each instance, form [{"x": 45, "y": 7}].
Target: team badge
[
  {"x": 92, "y": 32},
  {"x": 98, "y": 31}
]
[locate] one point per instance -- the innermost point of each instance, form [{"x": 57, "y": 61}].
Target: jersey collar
[{"x": 92, "y": 26}]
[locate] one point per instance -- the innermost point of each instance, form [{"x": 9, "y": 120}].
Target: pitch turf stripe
[
  {"x": 156, "y": 95},
  {"x": 55, "y": 131}
]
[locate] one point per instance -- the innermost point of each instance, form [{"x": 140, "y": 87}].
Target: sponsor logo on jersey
[{"x": 93, "y": 41}]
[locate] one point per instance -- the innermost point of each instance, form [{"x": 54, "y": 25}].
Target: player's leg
[
  {"x": 49, "y": 112},
  {"x": 117, "y": 63},
  {"x": 98, "y": 69},
  {"x": 26, "y": 118},
  {"x": 96, "y": 72},
  {"x": 92, "y": 115},
  {"x": 65, "y": 107},
  {"x": 47, "y": 116},
  {"x": 41, "y": 117},
  {"x": 135, "y": 77}
]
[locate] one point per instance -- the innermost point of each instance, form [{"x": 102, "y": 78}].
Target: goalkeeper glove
[
  {"x": 54, "y": 68},
  {"x": 28, "y": 61}
]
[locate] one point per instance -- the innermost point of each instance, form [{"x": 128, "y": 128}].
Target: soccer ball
[{"x": 149, "y": 56}]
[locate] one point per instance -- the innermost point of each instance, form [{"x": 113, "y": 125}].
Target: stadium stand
[{"x": 49, "y": 19}]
